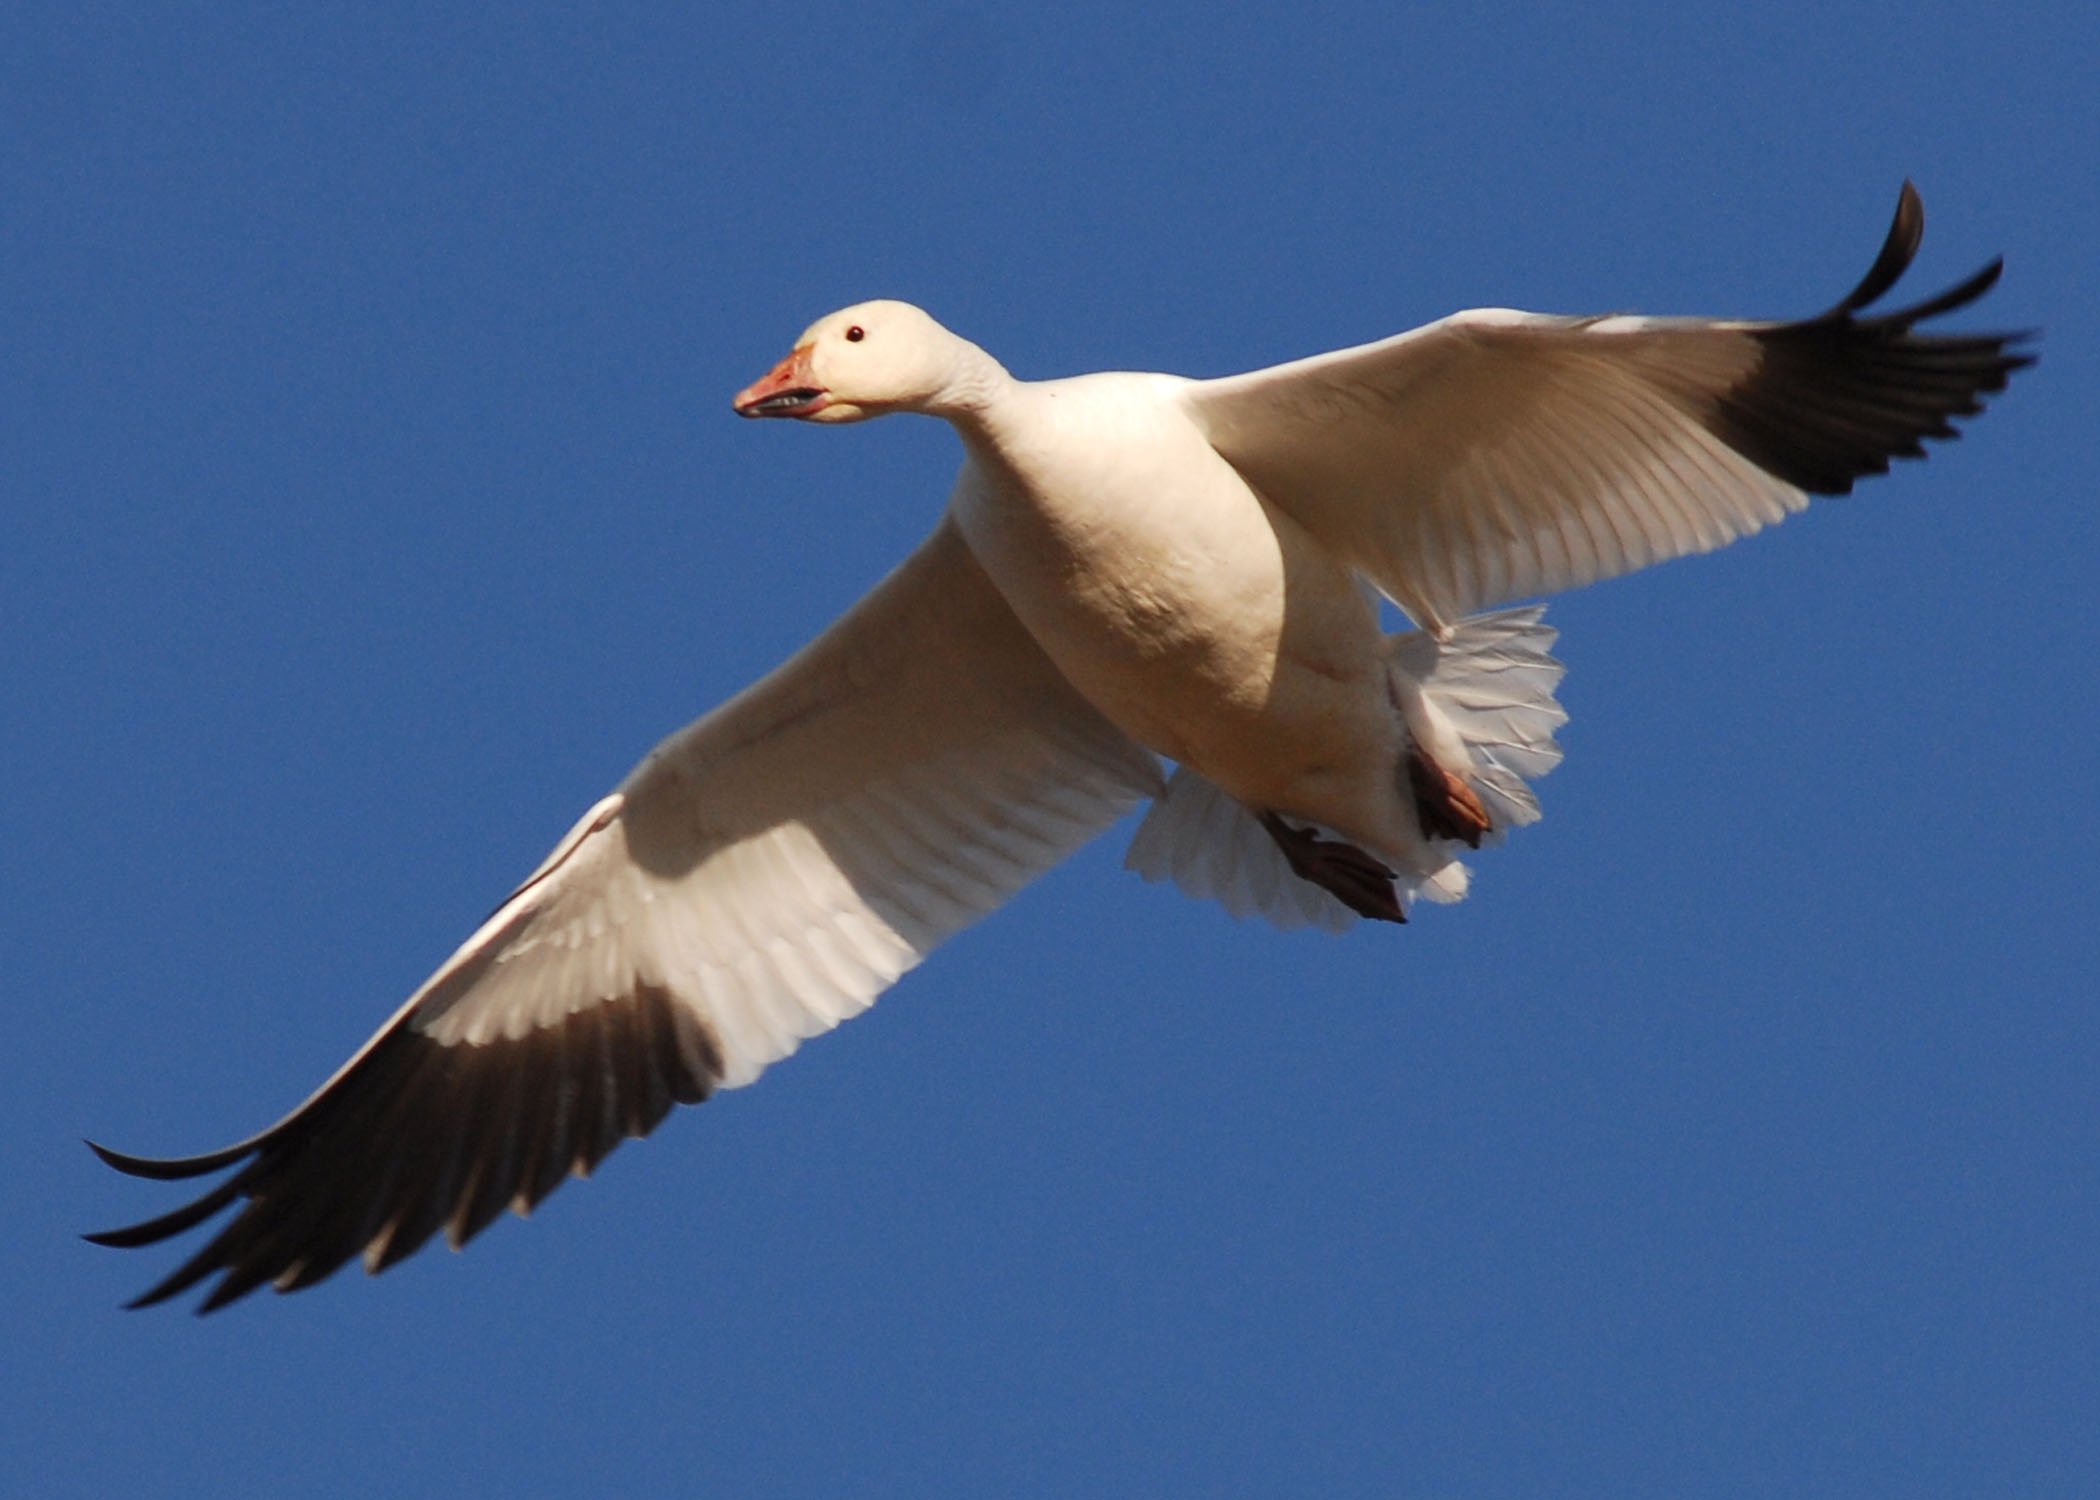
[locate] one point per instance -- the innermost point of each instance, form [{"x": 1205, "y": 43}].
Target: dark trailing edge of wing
[
  {"x": 1836, "y": 396},
  {"x": 419, "y": 1134}
]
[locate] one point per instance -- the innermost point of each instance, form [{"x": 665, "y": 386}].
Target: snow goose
[{"x": 1130, "y": 567}]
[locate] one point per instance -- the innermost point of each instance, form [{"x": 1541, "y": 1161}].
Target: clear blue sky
[{"x": 370, "y": 501}]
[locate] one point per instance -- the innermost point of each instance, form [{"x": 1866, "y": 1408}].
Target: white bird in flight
[{"x": 1130, "y": 567}]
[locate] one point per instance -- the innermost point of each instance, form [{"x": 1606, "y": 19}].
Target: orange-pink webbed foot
[
  {"x": 1354, "y": 878},
  {"x": 1445, "y": 805}
]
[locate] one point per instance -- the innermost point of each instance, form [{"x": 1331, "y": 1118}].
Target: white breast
[{"x": 1162, "y": 585}]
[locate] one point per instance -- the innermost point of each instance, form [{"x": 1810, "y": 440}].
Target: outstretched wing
[
  {"x": 1497, "y": 455},
  {"x": 761, "y": 876}
]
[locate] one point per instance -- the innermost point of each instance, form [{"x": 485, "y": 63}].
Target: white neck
[{"x": 978, "y": 383}]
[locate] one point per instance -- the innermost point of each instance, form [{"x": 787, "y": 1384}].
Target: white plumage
[{"x": 1131, "y": 567}]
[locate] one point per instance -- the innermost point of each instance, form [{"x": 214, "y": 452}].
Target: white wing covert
[
  {"x": 761, "y": 876},
  {"x": 1498, "y": 455}
]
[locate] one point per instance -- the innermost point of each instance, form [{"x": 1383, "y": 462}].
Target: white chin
[{"x": 837, "y": 411}]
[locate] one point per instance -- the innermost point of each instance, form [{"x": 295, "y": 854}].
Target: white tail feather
[
  {"x": 1492, "y": 682},
  {"x": 1208, "y": 844}
]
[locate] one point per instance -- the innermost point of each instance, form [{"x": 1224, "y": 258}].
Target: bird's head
[{"x": 862, "y": 361}]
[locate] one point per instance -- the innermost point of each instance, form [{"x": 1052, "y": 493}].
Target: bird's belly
[{"x": 1199, "y": 622}]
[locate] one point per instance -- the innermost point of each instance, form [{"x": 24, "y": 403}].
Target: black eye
[{"x": 855, "y": 334}]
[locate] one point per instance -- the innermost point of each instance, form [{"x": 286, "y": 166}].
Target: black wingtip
[
  {"x": 1897, "y": 252},
  {"x": 417, "y": 1134},
  {"x": 152, "y": 1231},
  {"x": 1906, "y": 232},
  {"x": 174, "y": 1168},
  {"x": 1960, "y": 295},
  {"x": 1836, "y": 397},
  {"x": 173, "y": 1286}
]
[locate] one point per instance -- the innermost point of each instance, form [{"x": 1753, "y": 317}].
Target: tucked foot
[
  {"x": 1445, "y": 805},
  {"x": 1355, "y": 879}
]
